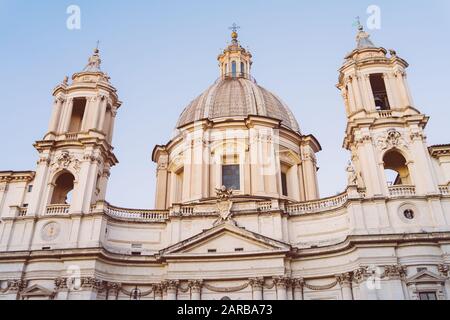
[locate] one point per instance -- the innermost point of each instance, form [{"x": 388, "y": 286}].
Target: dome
[{"x": 237, "y": 97}]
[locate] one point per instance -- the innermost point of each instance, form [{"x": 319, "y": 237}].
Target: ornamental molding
[
  {"x": 136, "y": 291},
  {"x": 92, "y": 283},
  {"x": 281, "y": 282},
  {"x": 256, "y": 283},
  {"x": 363, "y": 139},
  {"x": 170, "y": 285},
  {"x": 223, "y": 205},
  {"x": 16, "y": 285},
  {"x": 226, "y": 289},
  {"x": 390, "y": 139},
  {"x": 321, "y": 287},
  {"x": 394, "y": 271},
  {"x": 420, "y": 136},
  {"x": 361, "y": 274},
  {"x": 444, "y": 270},
  {"x": 195, "y": 285},
  {"x": 66, "y": 160},
  {"x": 344, "y": 279}
]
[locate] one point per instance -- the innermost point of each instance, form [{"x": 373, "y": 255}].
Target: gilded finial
[{"x": 234, "y": 35}]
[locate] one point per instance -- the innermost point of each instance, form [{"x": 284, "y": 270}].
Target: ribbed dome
[{"x": 235, "y": 97}]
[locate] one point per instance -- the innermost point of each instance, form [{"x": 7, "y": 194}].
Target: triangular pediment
[
  {"x": 425, "y": 276},
  {"x": 226, "y": 239},
  {"x": 37, "y": 290}
]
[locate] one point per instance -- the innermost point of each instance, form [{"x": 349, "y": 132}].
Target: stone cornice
[
  {"x": 16, "y": 176},
  {"x": 438, "y": 151},
  {"x": 351, "y": 243}
]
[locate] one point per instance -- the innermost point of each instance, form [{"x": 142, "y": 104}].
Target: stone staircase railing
[
  {"x": 317, "y": 205},
  {"x": 136, "y": 214}
]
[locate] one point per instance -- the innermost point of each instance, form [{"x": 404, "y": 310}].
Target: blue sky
[{"x": 162, "y": 54}]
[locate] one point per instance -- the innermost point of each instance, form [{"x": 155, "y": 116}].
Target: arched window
[
  {"x": 242, "y": 68},
  {"x": 233, "y": 69},
  {"x": 62, "y": 192},
  {"x": 395, "y": 167},
  {"x": 76, "y": 118},
  {"x": 379, "y": 92}
]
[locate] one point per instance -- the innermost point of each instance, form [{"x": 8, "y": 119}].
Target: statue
[{"x": 352, "y": 177}]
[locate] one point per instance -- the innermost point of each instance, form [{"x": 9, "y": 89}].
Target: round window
[{"x": 409, "y": 214}]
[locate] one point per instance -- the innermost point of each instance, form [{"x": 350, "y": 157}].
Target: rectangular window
[
  {"x": 284, "y": 187},
  {"x": 231, "y": 176},
  {"x": 212, "y": 250},
  {"x": 30, "y": 188},
  {"x": 427, "y": 296},
  {"x": 239, "y": 249},
  {"x": 379, "y": 92}
]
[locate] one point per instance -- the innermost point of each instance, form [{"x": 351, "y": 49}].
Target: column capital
[
  {"x": 395, "y": 271},
  {"x": 195, "y": 285},
  {"x": 281, "y": 281},
  {"x": 256, "y": 283},
  {"x": 171, "y": 285},
  {"x": 344, "y": 279},
  {"x": 444, "y": 270},
  {"x": 298, "y": 282}
]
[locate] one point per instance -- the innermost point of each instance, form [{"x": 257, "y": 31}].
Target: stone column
[
  {"x": 113, "y": 289},
  {"x": 309, "y": 168},
  {"x": 345, "y": 281},
  {"x": 281, "y": 284},
  {"x": 257, "y": 288},
  {"x": 351, "y": 96},
  {"x": 393, "y": 285},
  {"x": 56, "y": 115},
  {"x": 158, "y": 291},
  {"x": 67, "y": 114},
  {"x": 172, "y": 288},
  {"x": 196, "y": 289},
  {"x": 161, "y": 182},
  {"x": 298, "y": 285},
  {"x": 444, "y": 271}
]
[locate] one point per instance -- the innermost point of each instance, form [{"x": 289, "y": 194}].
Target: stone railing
[
  {"x": 265, "y": 206},
  {"x": 385, "y": 113},
  {"x": 136, "y": 214},
  {"x": 22, "y": 211},
  {"x": 187, "y": 210},
  {"x": 402, "y": 190},
  {"x": 317, "y": 205},
  {"x": 57, "y": 209},
  {"x": 71, "y": 136},
  {"x": 445, "y": 190}
]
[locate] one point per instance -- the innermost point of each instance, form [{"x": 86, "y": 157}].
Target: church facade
[{"x": 238, "y": 213}]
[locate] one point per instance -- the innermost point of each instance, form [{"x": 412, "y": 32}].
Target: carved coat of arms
[{"x": 224, "y": 204}]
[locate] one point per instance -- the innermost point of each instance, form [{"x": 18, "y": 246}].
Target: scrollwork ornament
[
  {"x": 394, "y": 271},
  {"x": 65, "y": 161},
  {"x": 444, "y": 270},
  {"x": 392, "y": 139}
]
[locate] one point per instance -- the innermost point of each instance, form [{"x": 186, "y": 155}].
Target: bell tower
[
  {"x": 75, "y": 156},
  {"x": 385, "y": 130}
]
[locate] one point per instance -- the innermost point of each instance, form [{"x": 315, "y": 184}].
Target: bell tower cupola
[{"x": 235, "y": 61}]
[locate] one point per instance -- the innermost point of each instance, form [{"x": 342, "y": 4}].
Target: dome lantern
[{"x": 235, "y": 61}]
